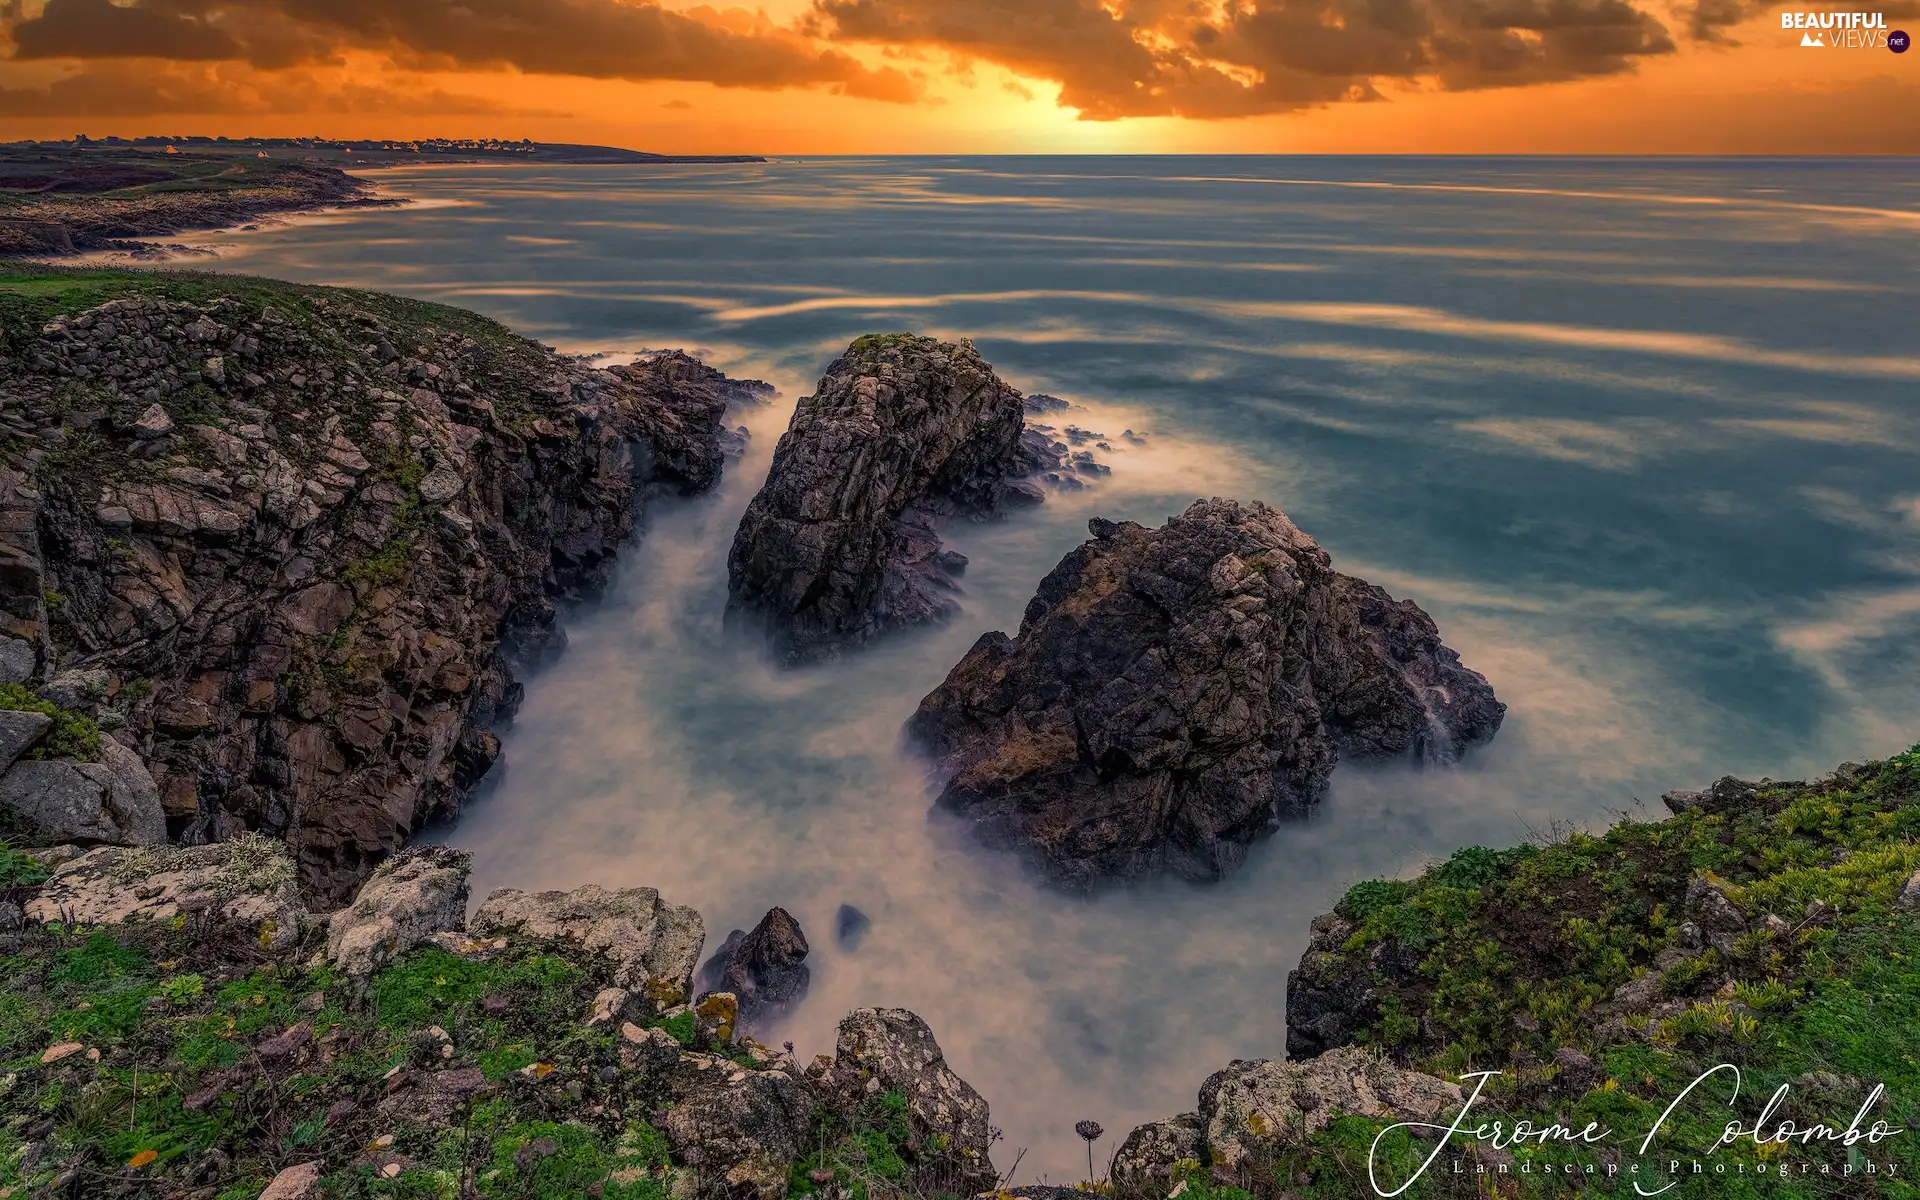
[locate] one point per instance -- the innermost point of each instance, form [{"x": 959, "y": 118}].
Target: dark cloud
[
  {"x": 100, "y": 29},
  {"x": 602, "y": 39},
  {"x": 1166, "y": 58},
  {"x": 119, "y": 91}
]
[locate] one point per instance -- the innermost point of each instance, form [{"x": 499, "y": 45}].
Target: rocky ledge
[
  {"x": 179, "y": 1025},
  {"x": 842, "y": 543},
  {"x": 1173, "y": 693},
  {"x": 285, "y": 546}
]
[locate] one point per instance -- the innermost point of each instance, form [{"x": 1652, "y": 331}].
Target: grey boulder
[
  {"x": 408, "y": 898},
  {"x": 891, "y": 1049},
  {"x": 244, "y": 887},
  {"x": 18, "y": 733},
  {"x": 112, "y": 802},
  {"x": 653, "y": 945}
]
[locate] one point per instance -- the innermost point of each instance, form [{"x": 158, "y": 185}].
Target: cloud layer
[{"x": 1109, "y": 58}]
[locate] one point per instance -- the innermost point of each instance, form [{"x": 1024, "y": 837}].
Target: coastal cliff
[{"x": 276, "y": 550}]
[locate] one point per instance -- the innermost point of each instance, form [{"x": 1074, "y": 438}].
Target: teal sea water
[{"x": 1640, "y": 434}]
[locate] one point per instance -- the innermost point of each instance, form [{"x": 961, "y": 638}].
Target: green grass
[
  {"x": 1519, "y": 951},
  {"x": 73, "y": 735}
]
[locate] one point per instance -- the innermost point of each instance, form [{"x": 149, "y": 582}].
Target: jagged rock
[
  {"x": 850, "y": 927},
  {"x": 1148, "y": 1154},
  {"x": 325, "y": 668},
  {"x": 412, "y": 896},
  {"x": 895, "y": 1048},
  {"x": 80, "y": 690},
  {"x": 654, "y": 946},
  {"x": 1715, "y": 915},
  {"x": 1252, "y": 1109},
  {"x": 18, "y": 733},
  {"x": 765, "y": 969},
  {"x": 747, "y": 1126},
  {"x": 1174, "y": 693},
  {"x": 112, "y": 802},
  {"x": 841, "y": 544},
  {"x": 1726, "y": 795},
  {"x": 246, "y": 886}
]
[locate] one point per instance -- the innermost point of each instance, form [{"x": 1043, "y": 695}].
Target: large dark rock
[
  {"x": 766, "y": 970},
  {"x": 305, "y": 537},
  {"x": 842, "y": 542},
  {"x": 1174, "y": 692}
]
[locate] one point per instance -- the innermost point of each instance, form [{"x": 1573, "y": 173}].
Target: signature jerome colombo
[{"x": 1764, "y": 1131}]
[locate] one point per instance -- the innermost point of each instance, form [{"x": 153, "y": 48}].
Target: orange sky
[{"x": 969, "y": 76}]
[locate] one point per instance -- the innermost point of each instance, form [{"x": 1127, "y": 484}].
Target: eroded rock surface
[
  {"x": 245, "y": 886},
  {"x": 1252, "y": 1109},
  {"x": 406, "y": 901},
  {"x": 112, "y": 802},
  {"x": 891, "y": 1049},
  {"x": 302, "y": 536},
  {"x": 842, "y": 543},
  {"x": 1174, "y": 692},
  {"x": 654, "y": 945}
]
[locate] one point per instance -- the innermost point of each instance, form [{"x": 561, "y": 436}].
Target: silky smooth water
[{"x": 1639, "y": 434}]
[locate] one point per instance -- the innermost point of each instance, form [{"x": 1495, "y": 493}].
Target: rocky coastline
[
  {"x": 56, "y": 202},
  {"x": 271, "y": 556},
  {"x": 277, "y": 551}
]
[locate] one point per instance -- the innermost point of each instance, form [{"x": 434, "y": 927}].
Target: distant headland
[{"x": 89, "y": 194}]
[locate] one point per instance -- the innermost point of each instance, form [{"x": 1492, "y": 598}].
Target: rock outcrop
[
  {"x": 1252, "y": 1110},
  {"x": 653, "y": 945},
  {"x": 244, "y": 887},
  {"x": 842, "y": 543},
  {"x": 112, "y": 802},
  {"x": 420, "y": 892},
  {"x": 892, "y": 1050},
  {"x": 765, "y": 969},
  {"x": 302, "y": 537},
  {"x": 1173, "y": 693}
]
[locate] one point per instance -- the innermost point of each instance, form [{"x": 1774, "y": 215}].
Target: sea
[{"x": 1639, "y": 433}]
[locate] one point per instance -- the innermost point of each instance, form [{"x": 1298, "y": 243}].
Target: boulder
[
  {"x": 1151, "y": 1150},
  {"x": 765, "y": 969},
  {"x": 18, "y": 733},
  {"x": 409, "y": 898},
  {"x": 112, "y": 802},
  {"x": 746, "y": 1126},
  {"x": 300, "y": 1182},
  {"x": 654, "y": 946},
  {"x": 1174, "y": 693},
  {"x": 1251, "y": 1110},
  {"x": 841, "y": 543},
  {"x": 246, "y": 887},
  {"x": 892, "y": 1049}
]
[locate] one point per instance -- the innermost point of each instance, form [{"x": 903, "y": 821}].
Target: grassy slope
[{"x": 1518, "y": 947}]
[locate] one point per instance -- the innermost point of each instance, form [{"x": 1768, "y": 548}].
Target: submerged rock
[
  {"x": 765, "y": 970},
  {"x": 850, "y": 927},
  {"x": 841, "y": 544},
  {"x": 1173, "y": 693}
]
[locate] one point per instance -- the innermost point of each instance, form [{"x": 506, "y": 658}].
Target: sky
[{"x": 972, "y": 76}]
